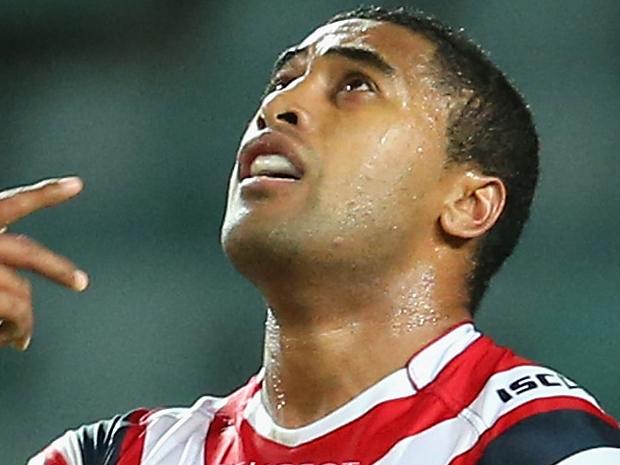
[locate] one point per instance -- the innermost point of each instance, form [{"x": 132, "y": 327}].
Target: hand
[{"x": 20, "y": 252}]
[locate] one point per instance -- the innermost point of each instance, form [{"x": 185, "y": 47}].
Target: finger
[
  {"x": 17, "y": 318},
  {"x": 9, "y": 338},
  {"x": 21, "y": 201},
  {"x": 24, "y": 253},
  {"x": 12, "y": 282},
  {"x": 22, "y": 343}
]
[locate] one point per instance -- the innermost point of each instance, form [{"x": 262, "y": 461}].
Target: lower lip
[{"x": 266, "y": 182}]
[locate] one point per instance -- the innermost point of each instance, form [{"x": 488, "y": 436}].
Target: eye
[
  {"x": 358, "y": 83},
  {"x": 278, "y": 83}
]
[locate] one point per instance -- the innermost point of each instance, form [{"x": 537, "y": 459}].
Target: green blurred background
[{"x": 146, "y": 100}]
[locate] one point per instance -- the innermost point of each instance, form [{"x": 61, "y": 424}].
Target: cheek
[
  {"x": 365, "y": 188},
  {"x": 378, "y": 161},
  {"x": 381, "y": 182}
]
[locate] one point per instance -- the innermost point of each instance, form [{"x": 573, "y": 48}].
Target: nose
[
  {"x": 282, "y": 110},
  {"x": 288, "y": 117}
]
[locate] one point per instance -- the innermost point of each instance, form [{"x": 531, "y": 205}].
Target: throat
[
  {"x": 307, "y": 378},
  {"x": 328, "y": 341},
  {"x": 310, "y": 372}
]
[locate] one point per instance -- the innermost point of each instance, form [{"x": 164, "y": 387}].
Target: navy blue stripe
[
  {"x": 547, "y": 438},
  {"x": 100, "y": 442}
]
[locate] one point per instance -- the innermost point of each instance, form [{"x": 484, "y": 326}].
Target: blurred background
[{"x": 146, "y": 100}]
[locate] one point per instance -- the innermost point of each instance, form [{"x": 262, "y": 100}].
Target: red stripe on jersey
[
  {"x": 477, "y": 363},
  {"x": 222, "y": 430},
  {"x": 520, "y": 413},
  {"x": 386, "y": 423},
  {"x": 133, "y": 440},
  {"x": 430, "y": 343},
  {"x": 54, "y": 457}
]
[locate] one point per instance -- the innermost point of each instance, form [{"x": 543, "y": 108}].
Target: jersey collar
[{"x": 421, "y": 370}]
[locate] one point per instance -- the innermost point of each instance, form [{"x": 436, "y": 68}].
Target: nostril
[
  {"x": 260, "y": 123},
  {"x": 289, "y": 117}
]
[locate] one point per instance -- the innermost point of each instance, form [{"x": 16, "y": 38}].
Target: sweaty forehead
[{"x": 401, "y": 47}]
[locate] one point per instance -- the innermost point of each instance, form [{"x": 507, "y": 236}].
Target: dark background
[{"x": 146, "y": 100}]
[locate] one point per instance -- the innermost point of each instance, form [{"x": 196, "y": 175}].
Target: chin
[
  {"x": 263, "y": 252},
  {"x": 255, "y": 248}
]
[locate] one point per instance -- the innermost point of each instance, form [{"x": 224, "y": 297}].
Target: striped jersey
[{"x": 462, "y": 400}]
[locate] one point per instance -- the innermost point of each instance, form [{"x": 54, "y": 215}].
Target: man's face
[{"x": 355, "y": 106}]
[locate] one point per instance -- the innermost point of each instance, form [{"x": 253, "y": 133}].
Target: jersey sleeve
[
  {"x": 532, "y": 415},
  {"x": 99, "y": 443},
  {"x": 559, "y": 437}
]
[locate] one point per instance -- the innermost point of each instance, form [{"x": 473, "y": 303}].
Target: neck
[{"x": 327, "y": 341}]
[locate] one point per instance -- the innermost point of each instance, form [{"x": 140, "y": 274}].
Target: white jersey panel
[
  {"x": 177, "y": 436},
  {"x": 598, "y": 456},
  {"x": 67, "y": 445}
]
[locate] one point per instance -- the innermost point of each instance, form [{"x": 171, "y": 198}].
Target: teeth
[{"x": 274, "y": 164}]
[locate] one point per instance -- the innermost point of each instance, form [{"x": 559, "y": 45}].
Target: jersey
[{"x": 462, "y": 400}]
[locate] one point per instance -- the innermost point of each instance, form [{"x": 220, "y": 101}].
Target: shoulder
[
  {"x": 105, "y": 441},
  {"x": 524, "y": 413}
]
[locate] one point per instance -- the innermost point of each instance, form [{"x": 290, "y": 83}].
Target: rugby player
[{"x": 384, "y": 179}]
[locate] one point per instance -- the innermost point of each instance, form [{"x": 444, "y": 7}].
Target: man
[{"x": 385, "y": 177}]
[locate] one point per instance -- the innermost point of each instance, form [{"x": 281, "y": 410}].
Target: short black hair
[{"x": 492, "y": 129}]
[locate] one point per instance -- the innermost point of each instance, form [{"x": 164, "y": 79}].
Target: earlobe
[{"x": 476, "y": 204}]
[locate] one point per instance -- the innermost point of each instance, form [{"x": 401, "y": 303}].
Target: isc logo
[{"x": 530, "y": 382}]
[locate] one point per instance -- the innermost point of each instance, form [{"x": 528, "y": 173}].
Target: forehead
[{"x": 401, "y": 47}]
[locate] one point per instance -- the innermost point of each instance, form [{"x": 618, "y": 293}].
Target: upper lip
[{"x": 268, "y": 143}]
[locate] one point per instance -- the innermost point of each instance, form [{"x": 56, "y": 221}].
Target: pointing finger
[{"x": 21, "y": 201}]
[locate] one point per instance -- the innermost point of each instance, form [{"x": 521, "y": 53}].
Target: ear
[{"x": 473, "y": 205}]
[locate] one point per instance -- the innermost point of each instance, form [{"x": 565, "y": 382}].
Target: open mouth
[
  {"x": 272, "y": 156},
  {"x": 274, "y": 166}
]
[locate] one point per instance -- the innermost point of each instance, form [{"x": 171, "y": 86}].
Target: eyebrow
[{"x": 360, "y": 55}]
